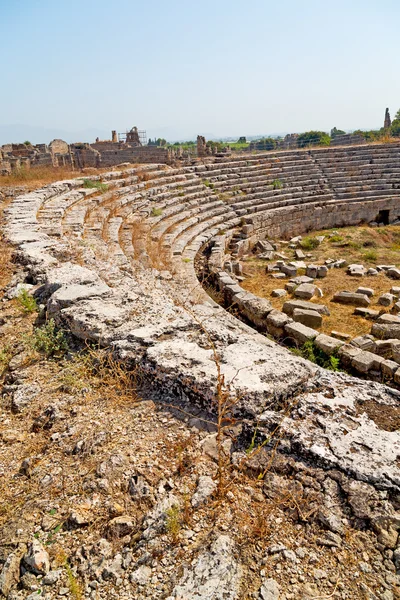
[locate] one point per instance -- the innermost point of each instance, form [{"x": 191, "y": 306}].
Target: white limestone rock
[
  {"x": 206, "y": 486},
  {"x": 214, "y": 575}
]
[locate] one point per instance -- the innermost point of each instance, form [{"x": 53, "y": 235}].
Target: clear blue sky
[{"x": 216, "y": 67}]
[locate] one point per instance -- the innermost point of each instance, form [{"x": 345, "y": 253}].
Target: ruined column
[
  {"x": 201, "y": 146},
  {"x": 114, "y": 137},
  {"x": 388, "y": 120}
]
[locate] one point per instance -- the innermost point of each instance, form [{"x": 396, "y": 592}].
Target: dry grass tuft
[
  {"x": 37, "y": 177},
  {"x": 99, "y": 371}
]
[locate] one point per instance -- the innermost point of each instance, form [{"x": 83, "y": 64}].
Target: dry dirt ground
[
  {"x": 359, "y": 245},
  {"x": 102, "y": 479}
]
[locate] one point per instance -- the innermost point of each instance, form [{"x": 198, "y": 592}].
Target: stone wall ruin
[{"x": 99, "y": 154}]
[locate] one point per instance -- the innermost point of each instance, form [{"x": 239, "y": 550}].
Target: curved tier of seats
[
  {"x": 178, "y": 210},
  {"x": 116, "y": 262}
]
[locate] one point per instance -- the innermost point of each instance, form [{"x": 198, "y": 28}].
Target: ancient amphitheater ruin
[{"x": 117, "y": 265}]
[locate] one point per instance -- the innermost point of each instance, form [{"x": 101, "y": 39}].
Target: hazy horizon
[{"x": 178, "y": 70}]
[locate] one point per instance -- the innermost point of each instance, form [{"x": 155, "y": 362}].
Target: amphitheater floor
[{"x": 359, "y": 245}]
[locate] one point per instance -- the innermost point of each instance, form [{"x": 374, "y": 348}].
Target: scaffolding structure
[{"x": 133, "y": 136}]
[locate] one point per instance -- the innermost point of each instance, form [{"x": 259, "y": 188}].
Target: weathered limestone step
[
  {"x": 170, "y": 220},
  {"x": 188, "y": 236}
]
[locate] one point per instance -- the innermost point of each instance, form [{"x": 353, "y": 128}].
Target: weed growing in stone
[
  {"x": 277, "y": 184},
  {"x": 27, "y": 303},
  {"x": 312, "y": 353},
  {"x": 92, "y": 184},
  {"x": 48, "y": 340},
  {"x": 173, "y": 523},
  {"x": 252, "y": 444},
  {"x": 5, "y": 357},
  {"x": 156, "y": 212},
  {"x": 74, "y": 586}
]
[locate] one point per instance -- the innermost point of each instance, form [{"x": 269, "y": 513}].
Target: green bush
[
  {"x": 48, "y": 340},
  {"x": 370, "y": 136},
  {"x": 310, "y": 351},
  {"x": 156, "y": 212},
  {"x": 395, "y": 129},
  {"x": 336, "y": 238},
  {"x": 309, "y": 243},
  {"x": 335, "y": 132},
  {"x": 313, "y": 138},
  {"x": 27, "y": 303}
]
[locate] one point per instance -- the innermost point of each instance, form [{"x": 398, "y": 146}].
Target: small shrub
[
  {"x": 48, "y": 340},
  {"x": 27, "y": 303},
  {"x": 369, "y": 244},
  {"x": 307, "y": 351},
  {"x": 74, "y": 377},
  {"x": 371, "y": 255},
  {"x": 98, "y": 185},
  {"x": 75, "y": 587},
  {"x": 173, "y": 522},
  {"x": 336, "y": 239},
  {"x": 277, "y": 184},
  {"x": 5, "y": 357},
  {"x": 309, "y": 243},
  {"x": 156, "y": 212},
  {"x": 186, "y": 260},
  {"x": 207, "y": 183},
  {"x": 312, "y": 353},
  {"x": 355, "y": 245},
  {"x": 333, "y": 363}
]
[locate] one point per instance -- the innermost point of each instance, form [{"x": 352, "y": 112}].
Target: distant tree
[
  {"x": 397, "y": 116},
  {"x": 313, "y": 138},
  {"x": 161, "y": 142},
  {"x": 371, "y": 136},
  {"x": 219, "y": 146},
  {"x": 268, "y": 143},
  {"x": 27, "y": 143},
  {"x": 335, "y": 132},
  {"x": 395, "y": 128},
  {"x": 242, "y": 140}
]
